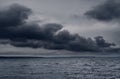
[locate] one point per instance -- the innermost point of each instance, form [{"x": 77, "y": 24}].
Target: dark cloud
[
  {"x": 13, "y": 15},
  {"x": 15, "y": 30},
  {"x": 13, "y": 25},
  {"x": 36, "y": 32},
  {"x": 110, "y": 10},
  {"x": 102, "y": 42}
]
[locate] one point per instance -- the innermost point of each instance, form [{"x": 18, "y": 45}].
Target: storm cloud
[
  {"x": 107, "y": 11},
  {"x": 13, "y": 15},
  {"x": 16, "y": 31}
]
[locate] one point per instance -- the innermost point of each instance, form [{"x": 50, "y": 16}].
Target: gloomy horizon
[{"x": 59, "y": 39}]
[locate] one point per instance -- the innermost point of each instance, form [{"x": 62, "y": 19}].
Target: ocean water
[{"x": 60, "y": 68}]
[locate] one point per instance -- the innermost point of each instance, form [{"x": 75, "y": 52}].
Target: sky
[
  {"x": 58, "y": 25},
  {"x": 67, "y": 12}
]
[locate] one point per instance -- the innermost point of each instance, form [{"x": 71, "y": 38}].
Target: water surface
[{"x": 60, "y": 68}]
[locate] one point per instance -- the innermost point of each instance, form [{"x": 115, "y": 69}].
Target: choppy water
[{"x": 60, "y": 68}]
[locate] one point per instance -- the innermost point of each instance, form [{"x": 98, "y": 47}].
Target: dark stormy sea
[{"x": 60, "y": 67}]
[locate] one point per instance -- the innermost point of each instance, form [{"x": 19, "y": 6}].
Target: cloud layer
[
  {"x": 15, "y": 30},
  {"x": 108, "y": 11}
]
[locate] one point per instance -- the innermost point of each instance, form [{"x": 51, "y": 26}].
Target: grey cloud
[
  {"x": 108, "y": 11},
  {"x": 13, "y": 15},
  {"x": 20, "y": 33},
  {"x": 101, "y": 42}
]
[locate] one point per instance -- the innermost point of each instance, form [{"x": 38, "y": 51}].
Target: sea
[{"x": 60, "y": 67}]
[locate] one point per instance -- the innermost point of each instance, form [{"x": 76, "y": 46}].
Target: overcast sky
[
  {"x": 68, "y": 12},
  {"x": 84, "y": 17}
]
